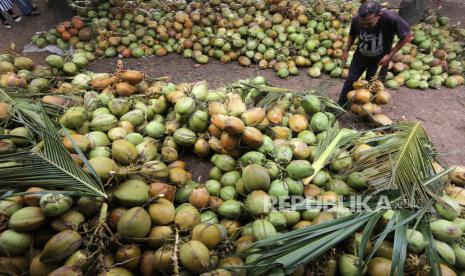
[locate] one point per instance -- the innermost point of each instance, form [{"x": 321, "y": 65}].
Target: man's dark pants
[{"x": 358, "y": 65}]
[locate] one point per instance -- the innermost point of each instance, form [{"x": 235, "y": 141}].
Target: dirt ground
[{"x": 441, "y": 111}]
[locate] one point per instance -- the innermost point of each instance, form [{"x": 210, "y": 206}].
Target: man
[{"x": 375, "y": 28}]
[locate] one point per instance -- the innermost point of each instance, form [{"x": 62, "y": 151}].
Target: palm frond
[
  {"x": 25, "y": 110},
  {"x": 298, "y": 247},
  {"x": 401, "y": 161},
  {"x": 324, "y": 152},
  {"x": 51, "y": 167}
]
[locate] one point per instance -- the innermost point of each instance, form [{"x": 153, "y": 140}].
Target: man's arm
[{"x": 385, "y": 60}]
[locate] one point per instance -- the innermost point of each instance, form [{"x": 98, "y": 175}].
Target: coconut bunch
[
  {"x": 20, "y": 72},
  {"x": 69, "y": 65},
  {"x": 367, "y": 98},
  {"x": 73, "y": 32},
  {"x": 430, "y": 61},
  {"x": 20, "y": 77}
]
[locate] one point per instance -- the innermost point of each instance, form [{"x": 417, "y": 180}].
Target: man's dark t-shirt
[{"x": 378, "y": 40}]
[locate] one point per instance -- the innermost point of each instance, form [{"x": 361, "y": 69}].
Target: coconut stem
[
  {"x": 103, "y": 213},
  {"x": 175, "y": 253}
]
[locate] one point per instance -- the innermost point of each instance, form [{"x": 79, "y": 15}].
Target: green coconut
[
  {"x": 460, "y": 223},
  {"x": 459, "y": 252},
  {"x": 263, "y": 229},
  {"x": 356, "y": 180},
  {"x": 230, "y": 209},
  {"x": 258, "y": 203},
  {"x": 147, "y": 150},
  {"x": 15, "y": 243},
  {"x": 228, "y": 192},
  {"x": 445, "y": 251},
  {"x": 416, "y": 241},
  {"x": 320, "y": 178},
  {"x": 348, "y": 265},
  {"x": 103, "y": 166},
  {"x": 187, "y": 216},
  {"x": 60, "y": 246},
  {"x": 55, "y": 61},
  {"x": 277, "y": 219},
  {"x": 338, "y": 186},
  {"x": 299, "y": 169},
  {"x": 295, "y": 187},
  {"x": 185, "y": 106},
  {"x": 184, "y": 137},
  {"x": 255, "y": 177},
  {"x": 26, "y": 219},
  {"x": 55, "y": 204},
  {"x": 343, "y": 162},
  {"x": 134, "y": 138},
  {"x": 445, "y": 230},
  {"x": 103, "y": 122},
  {"x": 230, "y": 178},
  {"x": 283, "y": 155},
  {"x": 194, "y": 256},
  {"x": 252, "y": 157},
  {"x": 24, "y": 63},
  {"x": 311, "y": 104},
  {"x": 162, "y": 212},
  {"x": 123, "y": 152},
  {"x": 292, "y": 217},
  {"x": 117, "y": 133},
  {"x": 198, "y": 121},
  {"x": 379, "y": 266},
  {"x": 10, "y": 205},
  {"x": 100, "y": 152},
  {"x": 213, "y": 186},
  {"x": 223, "y": 162},
  {"x": 272, "y": 168},
  {"x": 131, "y": 193},
  {"x": 136, "y": 117},
  {"x": 319, "y": 122},
  {"x": 449, "y": 209},
  {"x": 279, "y": 189},
  {"x": 209, "y": 217},
  {"x": 155, "y": 129},
  {"x": 21, "y": 132},
  {"x": 267, "y": 147},
  {"x": 134, "y": 224},
  {"x": 97, "y": 139}
]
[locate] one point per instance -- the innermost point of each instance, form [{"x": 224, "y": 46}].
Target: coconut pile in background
[
  {"x": 277, "y": 34},
  {"x": 157, "y": 219}
]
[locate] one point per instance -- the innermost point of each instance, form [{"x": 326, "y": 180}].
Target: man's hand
[{"x": 385, "y": 60}]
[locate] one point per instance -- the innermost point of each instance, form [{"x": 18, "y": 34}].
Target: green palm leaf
[
  {"x": 51, "y": 167},
  {"x": 334, "y": 139},
  {"x": 401, "y": 166}
]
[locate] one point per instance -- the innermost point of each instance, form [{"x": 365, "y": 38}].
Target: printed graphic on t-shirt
[{"x": 371, "y": 43}]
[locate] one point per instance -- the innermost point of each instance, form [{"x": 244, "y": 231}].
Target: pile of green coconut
[
  {"x": 261, "y": 144},
  {"x": 277, "y": 34}
]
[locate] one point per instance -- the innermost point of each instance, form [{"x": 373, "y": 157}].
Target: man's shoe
[
  {"x": 6, "y": 25},
  {"x": 17, "y": 18}
]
